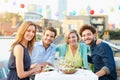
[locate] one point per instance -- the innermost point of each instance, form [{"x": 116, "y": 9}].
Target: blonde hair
[
  {"x": 69, "y": 32},
  {"x": 20, "y": 35}
]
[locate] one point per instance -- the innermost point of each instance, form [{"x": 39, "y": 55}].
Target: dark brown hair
[
  {"x": 87, "y": 26},
  {"x": 50, "y": 29}
]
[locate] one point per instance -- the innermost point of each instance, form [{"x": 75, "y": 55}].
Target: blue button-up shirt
[
  {"x": 41, "y": 55},
  {"x": 102, "y": 56}
]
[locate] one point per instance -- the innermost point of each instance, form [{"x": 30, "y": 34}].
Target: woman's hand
[
  {"x": 37, "y": 69},
  {"x": 34, "y": 65},
  {"x": 99, "y": 41}
]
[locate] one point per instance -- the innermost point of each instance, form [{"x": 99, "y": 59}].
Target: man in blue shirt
[
  {"x": 101, "y": 54},
  {"x": 44, "y": 50}
]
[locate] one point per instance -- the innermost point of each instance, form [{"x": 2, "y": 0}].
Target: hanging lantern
[
  {"x": 64, "y": 13},
  {"x": 92, "y": 12},
  {"x": 119, "y": 7},
  {"x": 6, "y": 1},
  {"x": 22, "y": 5},
  {"x": 82, "y": 12},
  {"x": 73, "y": 13},
  {"x": 40, "y": 10},
  {"x": 14, "y": 3},
  {"x": 112, "y": 9},
  {"x": 101, "y": 10},
  {"x": 57, "y": 14},
  {"x": 31, "y": 8}
]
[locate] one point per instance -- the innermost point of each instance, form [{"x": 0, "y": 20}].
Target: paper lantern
[
  {"x": 119, "y": 7},
  {"x": 92, "y": 12},
  {"x": 101, "y": 10},
  {"x": 83, "y": 12},
  {"x": 73, "y": 13},
  {"x": 31, "y": 8},
  {"x": 48, "y": 11},
  {"x": 112, "y": 9},
  {"x": 56, "y": 14},
  {"x": 22, "y": 5},
  {"x": 64, "y": 13},
  {"x": 40, "y": 10},
  {"x": 14, "y": 3},
  {"x": 6, "y": 1}
]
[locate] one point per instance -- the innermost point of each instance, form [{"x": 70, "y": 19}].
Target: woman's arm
[
  {"x": 99, "y": 41},
  {"x": 18, "y": 53},
  {"x": 61, "y": 49}
]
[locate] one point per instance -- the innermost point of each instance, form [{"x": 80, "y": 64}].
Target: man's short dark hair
[{"x": 51, "y": 29}]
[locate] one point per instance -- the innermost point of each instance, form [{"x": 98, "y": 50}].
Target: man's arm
[
  {"x": 107, "y": 58},
  {"x": 51, "y": 58}
]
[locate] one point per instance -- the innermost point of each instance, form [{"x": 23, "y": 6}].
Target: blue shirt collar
[
  {"x": 41, "y": 43},
  {"x": 93, "y": 45}
]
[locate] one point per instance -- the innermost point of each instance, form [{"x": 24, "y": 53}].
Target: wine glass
[{"x": 56, "y": 64}]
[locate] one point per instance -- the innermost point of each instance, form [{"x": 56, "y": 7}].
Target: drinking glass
[{"x": 56, "y": 64}]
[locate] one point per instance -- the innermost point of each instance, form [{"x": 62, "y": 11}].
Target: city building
[
  {"x": 100, "y": 22},
  {"x": 54, "y": 23},
  {"x": 30, "y": 16},
  {"x": 48, "y": 12},
  {"x": 62, "y": 7},
  {"x": 74, "y": 22}
]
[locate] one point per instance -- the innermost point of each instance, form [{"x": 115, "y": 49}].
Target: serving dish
[{"x": 68, "y": 70}]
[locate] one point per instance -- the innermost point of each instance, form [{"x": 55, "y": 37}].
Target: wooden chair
[{"x": 3, "y": 73}]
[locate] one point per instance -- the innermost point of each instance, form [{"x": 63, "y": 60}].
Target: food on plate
[{"x": 48, "y": 68}]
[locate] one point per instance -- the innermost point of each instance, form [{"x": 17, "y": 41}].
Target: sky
[{"x": 108, "y": 7}]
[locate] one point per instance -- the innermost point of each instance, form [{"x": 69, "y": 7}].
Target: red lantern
[
  {"x": 91, "y": 11},
  {"x": 22, "y": 5}
]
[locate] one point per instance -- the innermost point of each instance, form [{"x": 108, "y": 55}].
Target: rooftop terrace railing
[
  {"x": 115, "y": 48},
  {"x": 112, "y": 45}
]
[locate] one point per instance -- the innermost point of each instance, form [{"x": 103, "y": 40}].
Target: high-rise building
[
  {"x": 48, "y": 12},
  {"x": 62, "y": 7}
]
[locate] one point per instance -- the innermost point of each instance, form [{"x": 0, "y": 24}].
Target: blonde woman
[
  {"x": 19, "y": 62},
  {"x": 73, "y": 50}
]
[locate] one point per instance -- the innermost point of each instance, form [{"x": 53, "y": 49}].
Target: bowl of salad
[{"x": 68, "y": 69}]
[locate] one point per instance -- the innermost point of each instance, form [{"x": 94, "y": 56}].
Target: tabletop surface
[{"x": 54, "y": 75}]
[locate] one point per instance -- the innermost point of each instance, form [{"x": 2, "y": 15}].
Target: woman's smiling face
[{"x": 72, "y": 39}]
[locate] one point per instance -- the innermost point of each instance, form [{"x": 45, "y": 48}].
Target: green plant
[
  {"x": 38, "y": 37},
  {"x": 112, "y": 33}
]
